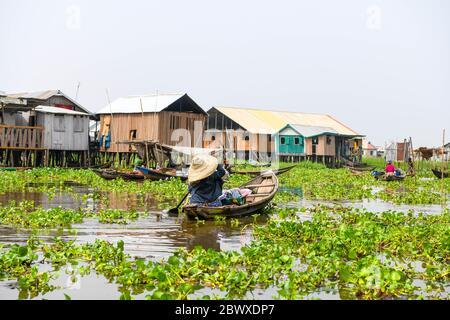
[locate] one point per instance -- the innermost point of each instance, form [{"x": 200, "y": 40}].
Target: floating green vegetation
[
  {"x": 116, "y": 216},
  {"x": 53, "y": 179},
  {"x": 21, "y": 263},
  {"x": 354, "y": 253},
  {"x": 24, "y": 215}
]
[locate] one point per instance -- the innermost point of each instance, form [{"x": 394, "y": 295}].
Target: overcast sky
[{"x": 381, "y": 67}]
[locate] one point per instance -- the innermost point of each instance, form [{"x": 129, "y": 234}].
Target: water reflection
[{"x": 154, "y": 236}]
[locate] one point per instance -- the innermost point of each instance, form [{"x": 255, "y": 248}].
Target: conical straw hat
[{"x": 202, "y": 166}]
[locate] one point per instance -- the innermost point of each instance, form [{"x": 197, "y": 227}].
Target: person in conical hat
[{"x": 205, "y": 179}]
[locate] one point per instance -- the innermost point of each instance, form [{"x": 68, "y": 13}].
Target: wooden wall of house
[
  {"x": 150, "y": 126},
  {"x": 15, "y": 118},
  {"x": 266, "y": 143},
  {"x": 322, "y": 148},
  {"x": 218, "y": 141},
  {"x": 328, "y": 145},
  {"x": 123, "y": 126},
  {"x": 9, "y": 118},
  {"x": 193, "y": 123},
  {"x": 238, "y": 142},
  {"x": 308, "y": 146},
  {"x": 62, "y": 133}
]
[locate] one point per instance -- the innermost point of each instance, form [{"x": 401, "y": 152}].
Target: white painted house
[{"x": 64, "y": 129}]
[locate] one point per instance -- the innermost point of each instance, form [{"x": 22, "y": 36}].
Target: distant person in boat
[
  {"x": 410, "y": 171},
  {"x": 137, "y": 163},
  {"x": 206, "y": 178},
  {"x": 390, "y": 169},
  {"x": 171, "y": 164}
]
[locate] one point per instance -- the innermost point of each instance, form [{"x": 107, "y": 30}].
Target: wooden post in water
[
  {"x": 412, "y": 158},
  {"x": 110, "y": 126},
  {"x": 442, "y": 167}
]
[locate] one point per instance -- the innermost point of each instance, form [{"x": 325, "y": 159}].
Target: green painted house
[
  {"x": 301, "y": 140},
  {"x": 290, "y": 141}
]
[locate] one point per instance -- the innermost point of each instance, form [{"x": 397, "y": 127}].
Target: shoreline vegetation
[{"x": 315, "y": 181}]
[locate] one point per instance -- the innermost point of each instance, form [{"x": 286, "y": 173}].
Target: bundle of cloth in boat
[{"x": 234, "y": 196}]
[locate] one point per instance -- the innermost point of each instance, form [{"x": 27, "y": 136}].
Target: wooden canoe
[
  {"x": 106, "y": 174},
  {"x": 264, "y": 188},
  {"x": 98, "y": 166},
  {"x": 361, "y": 169},
  {"x": 114, "y": 174},
  {"x": 383, "y": 177},
  {"x": 160, "y": 174},
  {"x": 259, "y": 172},
  {"x": 102, "y": 166},
  {"x": 356, "y": 172},
  {"x": 440, "y": 174}
]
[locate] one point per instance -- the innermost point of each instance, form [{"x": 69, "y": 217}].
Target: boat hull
[
  {"x": 390, "y": 177},
  {"x": 440, "y": 174},
  {"x": 113, "y": 174},
  {"x": 258, "y": 172}
]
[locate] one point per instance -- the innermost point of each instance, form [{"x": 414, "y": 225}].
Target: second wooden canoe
[
  {"x": 361, "y": 169},
  {"x": 440, "y": 174},
  {"x": 160, "y": 174},
  {"x": 114, "y": 174}
]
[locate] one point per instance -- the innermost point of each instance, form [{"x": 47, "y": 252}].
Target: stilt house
[
  {"x": 170, "y": 119},
  {"x": 42, "y": 128},
  {"x": 257, "y": 134}
]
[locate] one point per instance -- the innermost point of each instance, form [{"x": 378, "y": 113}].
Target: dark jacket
[{"x": 208, "y": 189}]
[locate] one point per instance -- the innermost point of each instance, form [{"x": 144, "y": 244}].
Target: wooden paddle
[{"x": 174, "y": 211}]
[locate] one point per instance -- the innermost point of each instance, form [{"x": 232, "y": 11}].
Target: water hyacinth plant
[
  {"x": 354, "y": 253},
  {"x": 296, "y": 253}
]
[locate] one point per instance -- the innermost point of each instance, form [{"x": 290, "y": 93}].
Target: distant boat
[
  {"x": 360, "y": 169},
  {"x": 383, "y": 177},
  {"x": 161, "y": 174},
  {"x": 440, "y": 174},
  {"x": 109, "y": 174}
]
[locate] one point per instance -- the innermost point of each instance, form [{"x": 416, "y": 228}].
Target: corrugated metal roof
[
  {"x": 55, "y": 110},
  {"x": 150, "y": 103},
  {"x": 40, "y": 95},
  {"x": 44, "y": 95},
  {"x": 312, "y": 131},
  {"x": 268, "y": 121}
]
